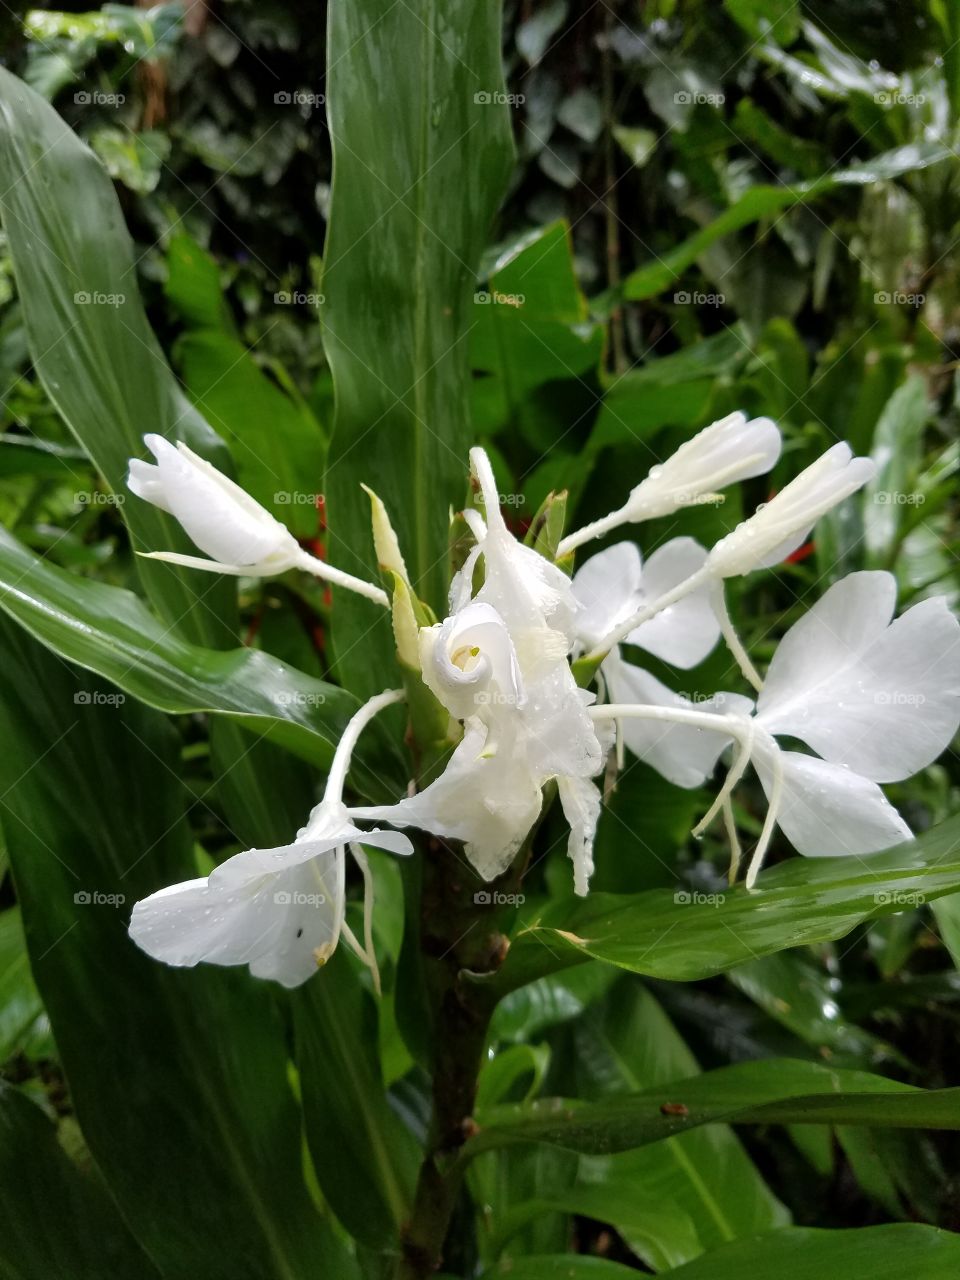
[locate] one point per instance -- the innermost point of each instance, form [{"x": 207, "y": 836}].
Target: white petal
[
  {"x": 485, "y": 797},
  {"x": 271, "y": 922},
  {"x": 143, "y": 479},
  {"x": 883, "y": 699},
  {"x": 580, "y": 800},
  {"x": 778, "y": 527},
  {"x": 608, "y": 589},
  {"x": 729, "y": 450},
  {"x": 684, "y": 633},
  {"x": 828, "y": 810},
  {"x": 224, "y": 521},
  {"x": 469, "y": 661},
  {"x": 684, "y": 755}
]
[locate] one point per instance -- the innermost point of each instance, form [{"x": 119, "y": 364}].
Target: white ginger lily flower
[
  {"x": 779, "y": 527},
  {"x": 615, "y": 584},
  {"x": 877, "y": 699},
  {"x": 499, "y": 663},
  {"x": 280, "y": 911},
  {"x": 770, "y": 534},
  {"x": 468, "y": 661},
  {"x": 729, "y": 450},
  {"x": 489, "y": 799},
  {"x": 239, "y": 535}
]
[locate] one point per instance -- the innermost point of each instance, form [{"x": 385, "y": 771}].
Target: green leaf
[
  {"x": 422, "y": 151},
  {"x": 183, "y": 1071},
  {"x": 27, "y": 455},
  {"x": 55, "y": 1220},
  {"x": 675, "y": 936},
  {"x": 766, "y": 202},
  {"x": 770, "y": 1091},
  {"x": 882, "y": 1253},
  {"x": 23, "y": 1023},
  {"x": 369, "y": 1183},
  {"x": 779, "y": 19},
  {"x": 561, "y": 1267},
  {"x": 530, "y": 327},
  {"x": 135, "y": 159},
  {"x": 277, "y": 442},
  {"x": 111, "y": 632},
  {"x": 706, "y": 1177},
  {"x": 94, "y": 351}
]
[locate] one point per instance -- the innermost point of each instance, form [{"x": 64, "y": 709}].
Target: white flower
[
  {"x": 239, "y": 535},
  {"x": 775, "y": 530},
  {"x": 280, "y": 911},
  {"x": 499, "y": 663},
  {"x": 220, "y": 517},
  {"x": 614, "y": 584},
  {"x": 684, "y": 755},
  {"x": 729, "y": 450},
  {"x": 877, "y": 699},
  {"x": 469, "y": 662},
  {"x": 768, "y": 536},
  {"x": 487, "y": 797}
]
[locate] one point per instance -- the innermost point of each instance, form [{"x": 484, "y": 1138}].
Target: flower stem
[
  {"x": 457, "y": 933},
  {"x": 337, "y": 578}
]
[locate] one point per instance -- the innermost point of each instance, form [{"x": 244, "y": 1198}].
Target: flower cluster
[{"x": 509, "y": 671}]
